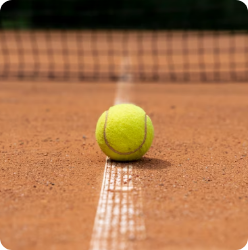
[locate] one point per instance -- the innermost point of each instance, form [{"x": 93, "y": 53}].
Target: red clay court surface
[{"x": 194, "y": 179}]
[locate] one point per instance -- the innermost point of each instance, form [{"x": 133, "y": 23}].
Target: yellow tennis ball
[{"x": 124, "y": 132}]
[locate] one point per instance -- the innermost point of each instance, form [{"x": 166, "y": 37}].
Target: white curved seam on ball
[{"x": 120, "y": 153}]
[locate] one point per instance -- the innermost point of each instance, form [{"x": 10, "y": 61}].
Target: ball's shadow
[
  {"x": 146, "y": 163},
  {"x": 152, "y": 163}
]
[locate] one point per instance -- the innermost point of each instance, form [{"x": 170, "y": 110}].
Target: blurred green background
[{"x": 124, "y": 14}]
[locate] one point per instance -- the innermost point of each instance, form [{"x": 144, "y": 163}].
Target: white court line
[
  {"x": 119, "y": 219},
  {"x": 125, "y": 84}
]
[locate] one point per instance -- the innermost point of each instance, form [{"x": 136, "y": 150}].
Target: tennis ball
[{"x": 124, "y": 132}]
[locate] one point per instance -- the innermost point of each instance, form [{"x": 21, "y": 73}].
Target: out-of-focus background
[
  {"x": 147, "y": 14},
  {"x": 87, "y": 40}
]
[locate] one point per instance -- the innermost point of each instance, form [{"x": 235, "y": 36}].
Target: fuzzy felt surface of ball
[{"x": 124, "y": 132}]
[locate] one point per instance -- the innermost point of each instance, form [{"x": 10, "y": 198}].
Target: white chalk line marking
[
  {"x": 119, "y": 219},
  {"x": 125, "y": 84}
]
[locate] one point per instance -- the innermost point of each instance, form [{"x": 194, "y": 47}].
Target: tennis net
[{"x": 157, "y": 55}]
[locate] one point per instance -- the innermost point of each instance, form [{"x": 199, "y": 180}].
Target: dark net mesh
[{"x": 90, "y": 41}]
